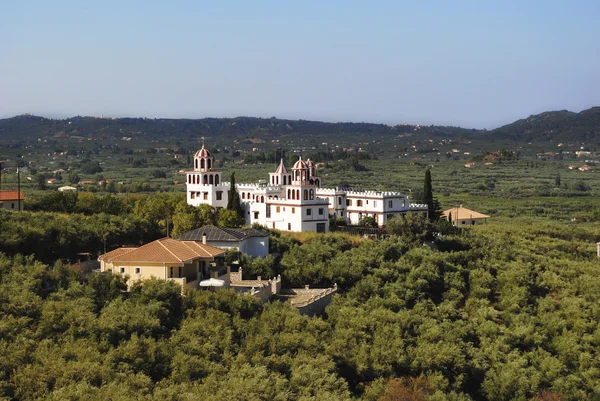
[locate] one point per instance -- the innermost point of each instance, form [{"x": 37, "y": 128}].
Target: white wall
[{"x": 257, "y": 246}]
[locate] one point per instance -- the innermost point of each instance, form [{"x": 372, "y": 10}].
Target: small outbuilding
[{"x": 461, "y": 216}]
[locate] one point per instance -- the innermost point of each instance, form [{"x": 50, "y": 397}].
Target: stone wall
[
  {"x": 311, "y": 301},
  {"x": 259, "y": 288}
]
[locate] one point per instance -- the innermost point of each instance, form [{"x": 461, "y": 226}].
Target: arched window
[
  {"x": 277, "y": 180},
  {"x": 339, "y": 200},
  {"x": 196, "y": 163},
  {"x": 217, "y": 179},
  {"x": 262, "y": 199},
  {"x": 210, "y": 179},
  {"x": 293, "y": 194},
  {"x": 317, "y": 183},
  {"x": 298, "y": 194},
  {"x": 290, "y": 179},
  {"x": 205, "y": 179},
  {"x": 312, "y": 194},
  {"x": 202, "y": 163},
  {"x": 193, "y": 179},
  {"x": 209, "y": 162},
  {"x": 284, "y": 180},
  {"x": 243, "y": 195},
  {"x": 306, "y": 194},
  {"x": 288, "y": 194}
]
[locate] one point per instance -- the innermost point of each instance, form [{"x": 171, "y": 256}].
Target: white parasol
[{"x": 212, "y": 282}]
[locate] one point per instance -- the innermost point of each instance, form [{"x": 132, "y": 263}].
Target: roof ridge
[
  {"x": 185, "y": 242},
  {"x": 160, "y": 241}
]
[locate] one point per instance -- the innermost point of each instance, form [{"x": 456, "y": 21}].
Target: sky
[{"x": 475, "y": 64}]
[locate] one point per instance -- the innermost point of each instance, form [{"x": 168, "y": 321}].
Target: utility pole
[
  {"x": 19, "y": 189},
  {"x": 572, "y": 237}
]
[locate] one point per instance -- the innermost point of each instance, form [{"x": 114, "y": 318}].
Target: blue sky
[{"x": 470, "y": 63}]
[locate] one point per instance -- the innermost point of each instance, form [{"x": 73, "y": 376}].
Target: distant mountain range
[
  {"x": 554, "y": 125},
  {"x": 29, "y": 127}
]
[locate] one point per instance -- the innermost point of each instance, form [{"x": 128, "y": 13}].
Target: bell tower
[
  {"x": 280, "y": 176},
  {"x": 204, "y": 184},
  {"x": 203, "y": 160}
]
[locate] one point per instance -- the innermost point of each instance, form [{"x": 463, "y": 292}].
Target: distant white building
[{"x": 293, "y": 200}]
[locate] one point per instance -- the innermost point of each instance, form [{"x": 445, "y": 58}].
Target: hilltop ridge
[{"x": 561, "y": 125}]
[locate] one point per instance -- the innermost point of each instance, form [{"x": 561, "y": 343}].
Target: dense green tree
[
  {"x": 187, "y": 217},
  {"x": 229, "y": 218},
  {"x": 428, "y": 194},
  {"x": 234, "y": 202}
]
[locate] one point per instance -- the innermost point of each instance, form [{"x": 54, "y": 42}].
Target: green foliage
[
  {"x": 52, "y": 236},
  {"x": 428, "y": 193},
  {"x": 187, "y": 217},
  {"x": 234, "y": 204},
  {"x": 229, "y": 218},
  {"x": 495, "y": 313},
  {"x": 411, "y": 226},
  {"x": 368, "y": 221},
  {"x": 89, "y": 167}
]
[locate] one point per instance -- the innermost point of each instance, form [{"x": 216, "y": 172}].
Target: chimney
[{"x": 204, "y": 238}]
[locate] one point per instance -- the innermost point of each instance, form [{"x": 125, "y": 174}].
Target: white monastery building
[{"x": 293, "y": 200}]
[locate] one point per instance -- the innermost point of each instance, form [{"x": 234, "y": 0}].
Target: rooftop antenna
[{"x": 202, "y": 141}]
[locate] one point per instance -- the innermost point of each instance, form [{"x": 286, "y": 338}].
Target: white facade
[{"x": 293, "y": 201}]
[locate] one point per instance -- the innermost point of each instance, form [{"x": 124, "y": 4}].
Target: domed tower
[
  {"x": 203, "y": 161},
  {"x": 204, "y": 185},
  {"x": 300, "y": 173}
]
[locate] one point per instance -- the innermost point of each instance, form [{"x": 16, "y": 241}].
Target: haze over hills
[{"x": 553, "y": 125}]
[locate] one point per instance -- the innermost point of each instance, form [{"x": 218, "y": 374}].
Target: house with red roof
[
  {"x": 184, "y": 262},
  {"x": 11, "y": 200}
]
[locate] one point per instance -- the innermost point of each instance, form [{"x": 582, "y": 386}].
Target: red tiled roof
[
  {"x": 281, "y": 168},
  {"x": 166, "y": 250},
  {"x": 11, "y": 195},
  {"x": 299, "y": 164},
  {"x": 115, "y": 253}
]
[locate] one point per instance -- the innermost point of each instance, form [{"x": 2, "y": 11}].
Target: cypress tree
[
  {"x": 233, "y": 200},
  {"x": 428, "y": 194}
]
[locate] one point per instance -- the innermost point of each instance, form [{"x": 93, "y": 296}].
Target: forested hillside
[
  {"x": 493, "y": 314},
  {"x": 554, "y": 125},
  {"x": 33, "y": 127}
]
